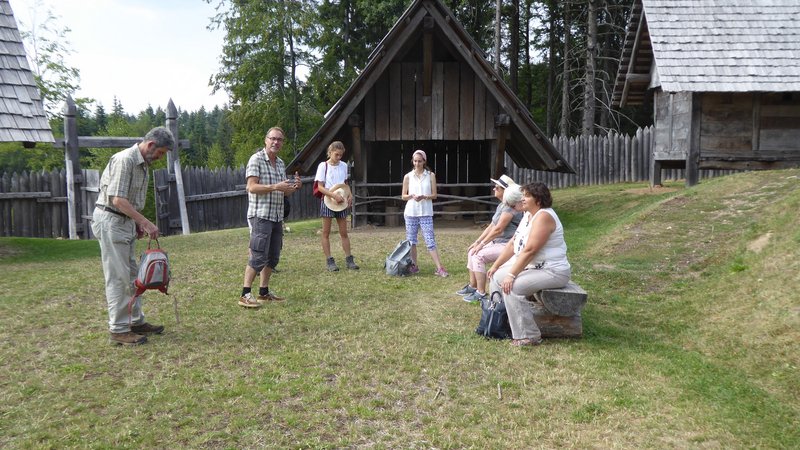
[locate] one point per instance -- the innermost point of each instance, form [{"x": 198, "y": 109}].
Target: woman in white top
[
  {"x": 535, "y": 259},
  {"x": 419, "y": 191},
  {"x": 330, "y": 173}
]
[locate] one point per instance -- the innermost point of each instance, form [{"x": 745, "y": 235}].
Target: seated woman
[
  {"x": 535, "y": 259},
  {"x": 490, "y": 243}
]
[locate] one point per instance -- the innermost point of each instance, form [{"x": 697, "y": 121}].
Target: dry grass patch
[{"x": 362, "y": 360}]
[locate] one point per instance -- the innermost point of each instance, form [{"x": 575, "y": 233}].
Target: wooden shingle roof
[
  {"x": 22, "y": 116},
  {"x": 710, "y": 46}
]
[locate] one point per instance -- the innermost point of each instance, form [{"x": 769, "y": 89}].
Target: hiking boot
[
  {"x": 247, "y": 301},
  {"x": 475, "y": 296},
  {"x": 466, "y": 290},
  {"x": 351, "y": 264},
  {"x": 126, "y": 338},
  {"x": 332, "y": 267},
  {"x": 270, "y": 297},
  {"x": 147, "y": 328}
]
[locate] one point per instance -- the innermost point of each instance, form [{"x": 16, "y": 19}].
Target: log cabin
[{"x": 724, "y": 80}]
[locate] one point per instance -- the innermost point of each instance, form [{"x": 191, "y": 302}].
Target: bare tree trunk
[
  {"x": 529, "y": 80},
  {"x": 606, "y": 76},
  {"x": 281, "y": 73},
  {"x": 499, "y": 6},
  {"x": 293, "y": 82},
  {"x": 564, "y": 126},
  {"x": 346, "y": 26},
  {"x": 551, "y": 71},
  {"x": 513, "y": 51},
  {"x": 587, "y": 129}
]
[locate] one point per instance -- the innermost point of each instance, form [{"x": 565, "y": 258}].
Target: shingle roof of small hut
[
  {"x": 710, "y": 46},
  {"x": 527, "y": 145},
  {"x": 22, "y": 116}
]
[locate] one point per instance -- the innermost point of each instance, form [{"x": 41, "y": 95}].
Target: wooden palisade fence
[{"x": 35, "y": 204}]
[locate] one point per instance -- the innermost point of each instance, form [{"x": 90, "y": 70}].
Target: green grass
[{"x": 690, "y": 339}]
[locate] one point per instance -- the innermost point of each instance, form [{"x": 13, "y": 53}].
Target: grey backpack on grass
[{"x": 399, "y": 262}]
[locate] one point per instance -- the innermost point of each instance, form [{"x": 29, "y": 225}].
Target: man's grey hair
[{"x": 161, "y": 136}]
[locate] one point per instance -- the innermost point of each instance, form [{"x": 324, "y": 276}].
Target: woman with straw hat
[
  {"x": 331, "y": 176},
  {"x": 491, "y": 242}
]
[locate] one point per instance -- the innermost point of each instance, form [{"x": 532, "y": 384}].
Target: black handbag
[{"x": 494, "y": 318}]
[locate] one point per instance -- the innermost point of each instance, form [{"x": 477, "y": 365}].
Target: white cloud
[{"x": 141, "y": 51}]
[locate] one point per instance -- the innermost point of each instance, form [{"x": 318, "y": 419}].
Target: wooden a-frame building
[{"x": 428, "y": 85}]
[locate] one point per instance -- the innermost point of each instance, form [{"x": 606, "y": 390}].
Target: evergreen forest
[{"x": 287, "y": 62}]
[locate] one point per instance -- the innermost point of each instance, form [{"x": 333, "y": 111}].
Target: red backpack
[
  {"x": 153, "y": 270},
  {"x": 153, "y": 274}
]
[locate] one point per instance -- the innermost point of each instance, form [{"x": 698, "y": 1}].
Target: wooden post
[
  {"x": 181, "y": 197},
  {"x": 502, "y": 123},
  {"x": 75, "y": 177},
  {"x": 692, "y": 172},
  {"x": 172, "y": 157},
  {"x": 71, "y": 197},
  {"x": 359, "y": 166}
]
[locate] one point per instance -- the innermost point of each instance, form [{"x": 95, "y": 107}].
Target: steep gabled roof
[
  {"x": 710, "y": 46},
  {"x": 527, "y": 145},
  {"x": 22, "y": 117}
]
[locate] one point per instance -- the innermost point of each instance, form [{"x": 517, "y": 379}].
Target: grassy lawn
[{"x": 690, "y": 339}]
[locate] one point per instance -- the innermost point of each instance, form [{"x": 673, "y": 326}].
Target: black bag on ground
[
  {"x": 399, "y": 262},
  {"x": 494, "y": 318}
]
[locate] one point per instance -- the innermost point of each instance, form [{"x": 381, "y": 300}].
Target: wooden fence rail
[
  {"x": 35, "y": 204},
  {"x": 216, "y": 198},
  {"x": 614, "y": 158}
]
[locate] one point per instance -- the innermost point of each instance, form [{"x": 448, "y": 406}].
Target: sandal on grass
[{"x": 527, "y": 342}]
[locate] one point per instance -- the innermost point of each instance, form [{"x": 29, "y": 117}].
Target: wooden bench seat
[{"x": 557, "y": 312}]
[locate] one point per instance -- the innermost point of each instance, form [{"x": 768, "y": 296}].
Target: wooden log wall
[
  {"x": 458, "y": 108},
  {"x": 758, "y": 126}
]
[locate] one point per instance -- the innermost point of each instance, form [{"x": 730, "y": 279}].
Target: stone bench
[{"x": 557, "y": 312}]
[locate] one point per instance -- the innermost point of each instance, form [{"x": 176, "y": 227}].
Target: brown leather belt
[{"x": 112, "y": 211}]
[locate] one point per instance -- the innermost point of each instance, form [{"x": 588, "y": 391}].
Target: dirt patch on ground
[
  {"x": 759, "y": 244},
  {"x": 655, "y": 190}
]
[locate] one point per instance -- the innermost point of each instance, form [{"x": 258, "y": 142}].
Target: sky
[{"x": 144, "y": 52}]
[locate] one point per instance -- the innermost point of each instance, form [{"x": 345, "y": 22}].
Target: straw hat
[
  {"x": 343, "y": 190},
  {"x": 504, "y": 181}
]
